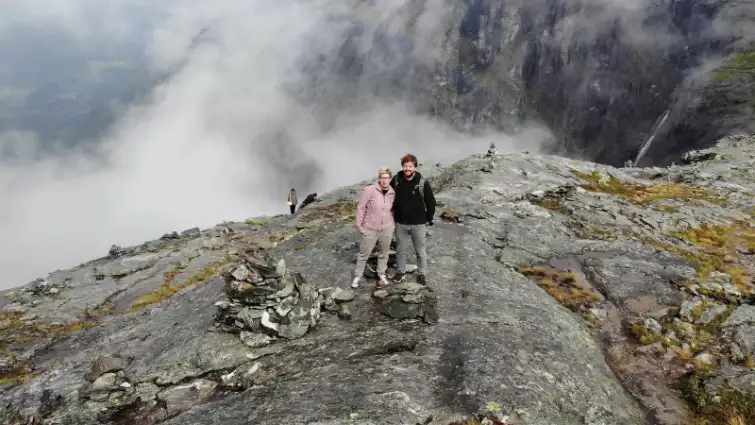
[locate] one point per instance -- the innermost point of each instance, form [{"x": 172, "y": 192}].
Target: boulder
[
  {"x": 116, "y": 251},
  {"x": 106, "y": 382},
  {"x": 711, "y": 313},
  {"x": 343, "y": 295},
  {"x": 183, "y": 397},
  {"x": 692, "y": 157},
  {"x": 255, "y": 340},
  {"x": 407, "y": 300},
  {"x": 105, "y": 363},
  {"x": 170, "y": 236},
  {"x": 191, "y": 233},
  {"x": 739, "y": 329}
]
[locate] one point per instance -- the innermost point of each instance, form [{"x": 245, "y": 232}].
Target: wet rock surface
[{"x": 562, "y": 292}]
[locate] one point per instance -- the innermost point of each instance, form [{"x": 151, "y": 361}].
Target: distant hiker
[
  {"x": 413, "y": 211},
  {"x": 292, "y": 201},
  {"x": 492, "y": 151},
  {"x": 375, "y": 223},
  {"x": 312, "y": 197}
]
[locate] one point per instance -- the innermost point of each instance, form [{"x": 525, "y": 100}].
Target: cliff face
[
  {"x": 563, "y": 292},
  {"x": 601, "y": 75}
]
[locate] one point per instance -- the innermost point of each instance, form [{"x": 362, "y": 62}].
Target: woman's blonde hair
[{"x": 384, "y": 170}]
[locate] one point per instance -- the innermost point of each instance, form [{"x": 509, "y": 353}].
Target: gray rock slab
[
  {"x": 743, "y": 315},
  {"x": 185, "y": 396}
]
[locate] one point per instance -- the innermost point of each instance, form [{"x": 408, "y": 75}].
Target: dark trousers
[{"x": 293, "y": 208}]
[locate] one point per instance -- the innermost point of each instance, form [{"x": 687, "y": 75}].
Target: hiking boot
[
  {"x": 355, "y": 282},
  {"x": 382, "y": 281},
  {"x": 399, "y": 277},
  {"x": 423, "y": 281}
]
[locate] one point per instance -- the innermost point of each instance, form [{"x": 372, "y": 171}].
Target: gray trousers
[
  {"x": 369, "y": 239},
  {"x": 416, "y": 233}
]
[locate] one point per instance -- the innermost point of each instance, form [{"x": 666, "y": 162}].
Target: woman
[{"x": 375, "y": 224}]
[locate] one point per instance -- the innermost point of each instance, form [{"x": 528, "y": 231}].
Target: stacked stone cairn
[
  {"x": 407, "y": 300},
  {"x": 338, "y": 301},
  {"x": 266, "y": 302}
]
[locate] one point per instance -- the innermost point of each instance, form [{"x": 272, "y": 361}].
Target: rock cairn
[
  {"x": 407, "y": 300},
  {"x": 338, "y": 301},
  {"x": 265, "y": 302}
]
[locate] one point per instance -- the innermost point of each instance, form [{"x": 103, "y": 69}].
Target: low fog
[{"x": 222, "y": 135}]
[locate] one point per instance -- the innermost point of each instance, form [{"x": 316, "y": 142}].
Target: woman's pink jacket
[{"x": 375, "y": 210}]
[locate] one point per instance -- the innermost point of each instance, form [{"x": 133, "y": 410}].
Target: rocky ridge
[
  {"x": 608, "y": 79},
  {"x": 562, "y": 292}
]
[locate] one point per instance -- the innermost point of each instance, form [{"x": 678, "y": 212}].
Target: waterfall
[{"x": 649, "y": 141}]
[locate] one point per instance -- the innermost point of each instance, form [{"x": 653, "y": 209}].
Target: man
[
  {"x": 413, "y": 209},
  {"x": 292, "y": 200}
]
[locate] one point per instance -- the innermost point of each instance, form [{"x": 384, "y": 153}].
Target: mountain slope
[
  {"x": 599, "y": 74},
  {"x": 566, "y": 292}
]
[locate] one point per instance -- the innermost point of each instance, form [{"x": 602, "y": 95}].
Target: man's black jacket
[{"x": 408, "y": 207}]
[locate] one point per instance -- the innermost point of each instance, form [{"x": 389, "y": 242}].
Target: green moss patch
[
  {"x": 720, "y": 248},
  {"x": 644, "y": 195},
  {"x": 257, "y": 221},
  {"x": 17, "y": 375},
  {"x": 15, "y": 330},
  {"x": 644, "y": 335},
  {"x": 741, "y": 66},
  {"x": 171, "y": 287},
  {"x": 480, "y": 419},
  {"x": 564, "y": 287},
  {"x": 343, "y": 210},
  {"x": 728, "y": 407}
]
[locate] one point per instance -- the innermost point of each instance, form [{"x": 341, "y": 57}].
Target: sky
[{"x": 226, "y": 120}]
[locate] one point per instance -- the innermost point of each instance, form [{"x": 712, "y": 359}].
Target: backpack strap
[{"x": 419, "y": 187}]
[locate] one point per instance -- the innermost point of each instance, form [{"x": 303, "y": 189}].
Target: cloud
[
  {"x": 91, "y": 22},
  {"x": 223, "y": 136}
]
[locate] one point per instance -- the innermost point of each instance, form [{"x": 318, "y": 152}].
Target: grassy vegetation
[
  {"x": 257, "y": 222},
  {"x": 10, "y": 381},
  {"x": 644, "y": 335},
  {"x": 563, "y": 287},
  {"x": 15, "y": 330},
  {"x": 644, "y": 195},
  {"x": 19, "y": 374},
  {"x": 478, "y": 420},
  {"x": 667, "y": 209},
  {"x": 450, "y": 215},
  {"x": 718, "y": 249},
  {"x": 549, "y": 203},
  {"x": 729, "y": 407},
  {"x": 170, "y": 286},
  {"x": 338, "y": 211},
  {"x": 741, "y": 65},
  {"x": 589, "y": 231}
]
